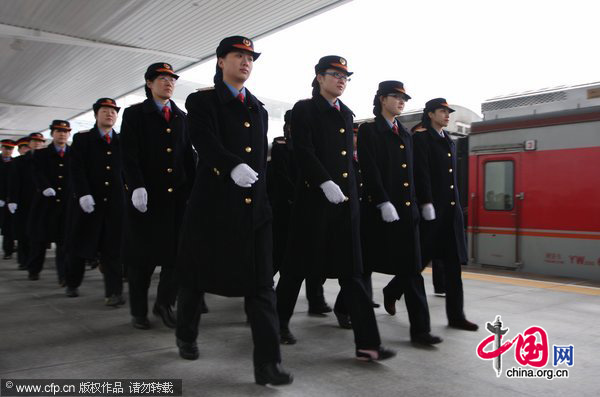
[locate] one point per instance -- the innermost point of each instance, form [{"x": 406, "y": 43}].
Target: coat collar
[
  {"x": 149, "y": 106},
  {"x": 323, "y": 105},
  {"x": 225, "y": 96},
  {"x": 96, "y": 134},
  {"x": 383, "y": 126}
]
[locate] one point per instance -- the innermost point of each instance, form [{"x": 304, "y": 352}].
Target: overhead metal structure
[{"x": 58, "y": 56}]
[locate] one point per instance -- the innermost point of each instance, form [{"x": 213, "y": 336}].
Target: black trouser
[
  {"x": 413, "y": 289},
  {"x": 260, "y": 309},
  {"x": 23, "y": 251},
  {"x": 314, "y": 290},
  {"x": 139, "y": 276},
  {"x": 37, "y": 256},
  {"x": 437, "y": 274},
  {"x": 111, "y": 271},
  {"x": 8, "y": 239},
  {"x": 355, "y": 296}
]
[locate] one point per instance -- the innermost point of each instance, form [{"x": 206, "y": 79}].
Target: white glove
[
  {"x": 139, "y": 198},
  {"x": 2, "y": 203},
  {"x": 49, "y": 192},
  {"x": 243, "y": 175},
  {"x": 428, "y": 212},
  {"x": 12, "y": 207},
  {"x": 388, "y": 212},
  {"x": 333, "y": 192},
  {"x": 87, "y": 203}
]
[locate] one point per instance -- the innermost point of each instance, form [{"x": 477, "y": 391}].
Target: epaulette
[
  {"x": 280, "y": 140},
  {"x": 83, "y": 131},
  {"x": 420, "y": 129},
  {"x": 205, "y": 88}
]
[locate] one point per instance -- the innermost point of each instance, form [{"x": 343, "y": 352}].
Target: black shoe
[
  {"x": 114, "y": 300},
  {"x": 286, "y": 337},
  {"x": 22, "y": 267},
  {"x": 463, "y": 324},
  {"x": 34, "y": 276},
  {"x": 166, "y": 313},
  {"x": 319, "y": 309},
  {"x": 62, "y": 282},
  {"x": 72, "y": 292},
  {"x": 389, "y": 304},
  {"x": 343, "y": 320},
  {"x": 140, "y": 322},
  {"x": 7, "y": 256},
  {"x": 188, "y": 350},
  {"x": 375, "y": 304},
  {"x": 378, "y": 354},
  {"x": 272, "y": 374},
  {"x": 425, "y": 338}
]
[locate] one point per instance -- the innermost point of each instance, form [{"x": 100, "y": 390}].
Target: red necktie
[
  {"x": 241, "y": 97},
  {"x": 167, "y": 113},
  {"x": 336, "y": 105},
  {"x": 395, "y": 129},
  {"x": 61, "y": 152},
  {"x": 107, "y": 137}
]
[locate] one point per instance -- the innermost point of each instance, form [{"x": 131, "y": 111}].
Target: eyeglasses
[
  {"x": 338, "y": 76},
  {"x": 167, "y": 79}
]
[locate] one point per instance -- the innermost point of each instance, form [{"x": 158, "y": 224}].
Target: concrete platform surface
[{"x": 44, "y": 334}]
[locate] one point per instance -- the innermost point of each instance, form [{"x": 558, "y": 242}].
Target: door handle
[{"x": 520, "y": 196}]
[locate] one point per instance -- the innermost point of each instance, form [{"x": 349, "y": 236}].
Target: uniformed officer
[
  {"x": 442, "y": 228},
  {"x": 226, "y": 241},
  {"x": 391, "y": 217},
  {"x": 281, "y": 185},
  {"x": 158, "y": 165},
  {"x": 47, "y": 221},
  {"x": 21, "y": 190},
  {"x": 97, "y": 203},
  {"x": 8, "y": 240},
  {"x": 325, "y": 235}
]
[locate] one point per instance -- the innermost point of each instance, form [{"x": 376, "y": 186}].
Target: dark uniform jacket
[
  {"x": 96, "y": 170},
  {"x": 158, "y": 156},
  {"x": 47, "y": 220},
  {"x": 324, "y": 237},
  {"x": 20, "y": 191},
  {"x": 5, "y": 215},
  {"x": 217, "y": 245},
  {"x": 386, "y": 161},
  {"x": 281, "y": 185},
  {"x": 436, "y": 183}
]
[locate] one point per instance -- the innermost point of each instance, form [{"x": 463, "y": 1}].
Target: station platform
[{"x": 44, "y": 334}]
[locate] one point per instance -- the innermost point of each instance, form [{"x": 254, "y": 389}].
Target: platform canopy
[{"x": 58, "y": 56}]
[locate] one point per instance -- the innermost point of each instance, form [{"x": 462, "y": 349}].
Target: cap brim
[
  {"x": 242, "y": 47},
  {"x": 164, "y": 71}
]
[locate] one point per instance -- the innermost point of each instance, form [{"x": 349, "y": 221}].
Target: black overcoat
[
  {"x": 158, "y": 156},
  {"x": 217, "y": 250},
  {"x": 324, "y": 237},
  {"x": 6, "y": 218},
  {"x": 386, "y": 161},
  {"x": 48, "y": 218},
  {"x": 436, "y": 183},
  {"x": 96, "y": 170},
  {"x": 20, "y": 191}
]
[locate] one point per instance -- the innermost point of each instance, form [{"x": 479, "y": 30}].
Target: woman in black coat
[
  {"x": 325, "y": 226},
  {"x": 390, "y": 221},
  {"x": 442, "y": 227}
]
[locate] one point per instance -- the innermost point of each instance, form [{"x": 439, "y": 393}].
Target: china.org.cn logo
[{"x": 532, "y": 352}]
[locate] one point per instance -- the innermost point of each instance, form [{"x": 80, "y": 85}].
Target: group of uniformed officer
[{"x": 188, "y": 192}]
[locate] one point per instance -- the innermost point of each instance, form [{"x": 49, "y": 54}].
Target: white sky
[{"x": 464, "y": 50}]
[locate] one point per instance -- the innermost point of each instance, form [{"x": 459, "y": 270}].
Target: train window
[{"x": 499, "y": 185}]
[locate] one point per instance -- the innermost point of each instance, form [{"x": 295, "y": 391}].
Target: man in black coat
[
  {"x": 20, "y": 194},
  {"x": 8, "y": 240},
  {"x": 47, "y": 221},
  {"x": 390, "y": 219},
  {"x": 96, "y": 204},
  {"x": 226, "y": 240},
  {"x": 158, "y": 165},
  {"x": 324, "y": 231},
  {"x": 442, "y": 227},
  {"x": 281, "y": 185}
]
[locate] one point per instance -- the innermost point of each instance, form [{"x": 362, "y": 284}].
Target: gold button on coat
[
  {"x": 248, "y": 149},
  {"x": 170, "y": 190},
  {"x": 168, "y": 130},
  {"x": 106, "y": 183},
  {"x": 449, "y": 154},
  {"x": 451, "y": 186},
  {"x": 342, "y": 130},
  {"x": 60, "y": 177},
  {"x": 58, "y": 200},
  {"x": 403, "y": 165},
  {"x": 61, "y": 165},
  {"x": 401, "y": 146},
  {"x": 59, "y": 188},
  {"x": 343, "y": 152},
  {"x": 109, "y": 152},
  {"x": 452, "y": 203},
  {"x": 108, "y": 167},
  {"x": 407, "y": 203},
  {"x": 216, "y": 171},
  {"x": 248, "y": 200},
  {"x": 169, "y": 170},
  {"x": 450, "y": 170},
  {"x": 169, "y": 150},
  {"x": 405, "y": 184},
  {"x": 105, "y": 199},
  {"x": 246, "y": 124},
  {"x": 344, "y": 175}
]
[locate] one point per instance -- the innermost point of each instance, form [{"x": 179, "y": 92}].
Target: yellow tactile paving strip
[{"x": 577, "y": 289}]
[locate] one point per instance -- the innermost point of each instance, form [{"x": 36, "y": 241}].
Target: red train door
[{"x": 497, "y": 210}]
